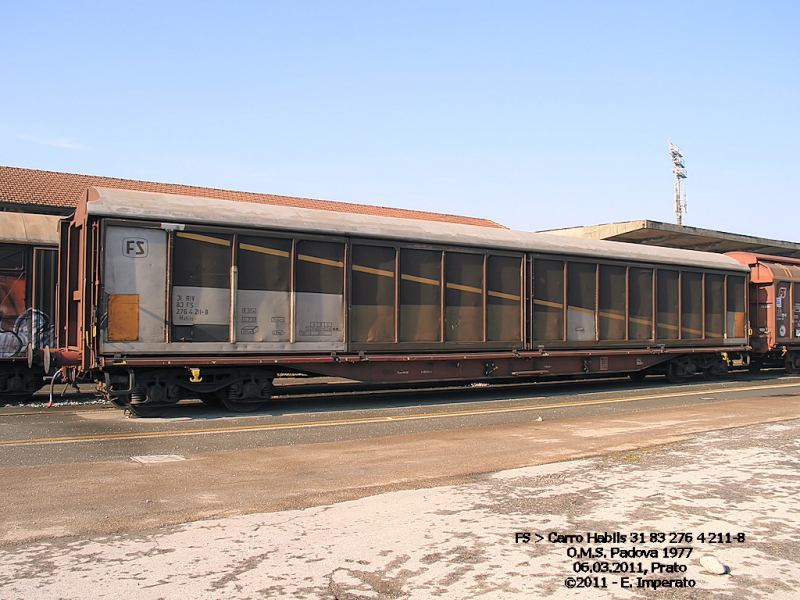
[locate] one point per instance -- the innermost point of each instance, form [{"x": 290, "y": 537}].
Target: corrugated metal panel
[
  {"x": 188, "y": 209},
  {"x": 783, "y": 272},
  {"x": 24, "y": 228}
]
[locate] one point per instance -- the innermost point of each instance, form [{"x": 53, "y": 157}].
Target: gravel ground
[{"x": 467, "y": 540}]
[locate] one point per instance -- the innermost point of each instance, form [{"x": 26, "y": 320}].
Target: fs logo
[{"x": 134, "y": 247}]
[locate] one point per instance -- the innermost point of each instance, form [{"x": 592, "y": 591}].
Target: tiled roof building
[{"x": 32, "y": 190}]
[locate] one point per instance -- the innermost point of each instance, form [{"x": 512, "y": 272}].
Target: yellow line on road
[{"x": 376, "y": 419}]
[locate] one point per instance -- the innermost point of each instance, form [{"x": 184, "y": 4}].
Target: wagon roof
[
  {"x": 25, "y": 228},
  {"x": 170, "y": 208},
  {"x": 765, "y": 268}
]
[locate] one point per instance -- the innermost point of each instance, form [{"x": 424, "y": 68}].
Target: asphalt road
[
  {"x": 411, "y": 496},
  {"x": 711, "y": 516},
  {"x": 69, "y": 471}
]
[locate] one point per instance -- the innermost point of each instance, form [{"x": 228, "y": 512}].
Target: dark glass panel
[
  {"x": 264, "y": 264},
  {"x": 548, "y": 300},
  {"x": 463, "y": 297},
  {"x": 319, "y": 268},
  {"x": 420, "y": 295},
  {"x": 373, "y": 294},
  {"x": 612, "y": 298},
  {"x": 667, "y": 305},
  {"x": 640, "y": 304},
  {"x": 715, "y": 306},
  {"x": 691, "y": 306},
  {"x": 503, "y": 299}
]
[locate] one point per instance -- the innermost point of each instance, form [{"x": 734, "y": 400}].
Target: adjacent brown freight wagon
[
  {"x": 774, "y": 310},
  {"x": 28, "y": 250},
  {"x": 165, "y": 297}
]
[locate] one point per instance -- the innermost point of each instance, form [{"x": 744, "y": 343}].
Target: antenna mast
[{"x": 679, "y": 168}]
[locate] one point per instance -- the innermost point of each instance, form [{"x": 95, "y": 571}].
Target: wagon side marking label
[{"x": 134, "y": 247}]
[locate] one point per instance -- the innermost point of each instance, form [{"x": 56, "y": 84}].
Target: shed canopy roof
[
  {"x": 655, "y": 233},
  {"x": 35, "y": 191}
]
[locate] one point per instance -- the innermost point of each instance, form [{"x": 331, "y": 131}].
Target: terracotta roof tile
[{"x": 26, "y": 189}]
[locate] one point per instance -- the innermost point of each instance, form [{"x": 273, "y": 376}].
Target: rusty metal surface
[
  {"x": 775, "y": 323},
  {"x": 392, "y": 368},
  {"x": 123, "y": 316},
  {"x": 293, "y": 359}
]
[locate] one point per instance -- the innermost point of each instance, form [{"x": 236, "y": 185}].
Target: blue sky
[{"x": 535, "y": 114}]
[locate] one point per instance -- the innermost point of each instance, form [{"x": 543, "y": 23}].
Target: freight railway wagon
[
  {"x": 167, "y": 297},
  {"x": 774, "y": 310},
  {"x": 28, "y": 251}
]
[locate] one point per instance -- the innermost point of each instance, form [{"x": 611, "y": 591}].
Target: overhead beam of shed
[{"x": 668, "y": 235}]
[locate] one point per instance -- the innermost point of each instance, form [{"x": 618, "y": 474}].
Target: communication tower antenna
[{"x": 679, "y": 168}]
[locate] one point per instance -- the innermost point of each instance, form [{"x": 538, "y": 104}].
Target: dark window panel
[
  {"x": 420, "y": 295},
  {"x": 667, "y": 304},
  {"x": 320, "y": 267},
  {"x": 264, "y": 264},
  {"x": 373, "y": 294},
  {"x": 463, "y": 297},
  {"x": 691, "y": 306},
  {"x": 201, "y": 260},
  {"x": 12, "y": 258},
  {"x": 503, "y": 299},
  {"x": 640, "y": 304},
  {"x": 612, "y": 298},
  {"x": 715, "y": 306},
  {"x": 581, "y": 300},
  {"x": 735, "y": 307},
  {"x": 548, "y": 300}
]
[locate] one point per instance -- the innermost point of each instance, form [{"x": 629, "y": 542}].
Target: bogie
[{"x": 150, "y": 392}]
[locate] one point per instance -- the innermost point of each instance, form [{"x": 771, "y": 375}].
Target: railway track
[
  {"x": 331, "y": 389},
  {"x": 371, "y": 412}
]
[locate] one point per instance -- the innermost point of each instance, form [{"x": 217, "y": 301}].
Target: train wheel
[
  {"x": 715, "y": 371},
  {"x": 140, "y": 408},
  {"x": 119, "y": 401},
  {"x": 248, "y": 396},
  {"x": 674, "y": 374},
  {"x": 243, "y": 405},
  {"x": 791, "y": 368}
]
